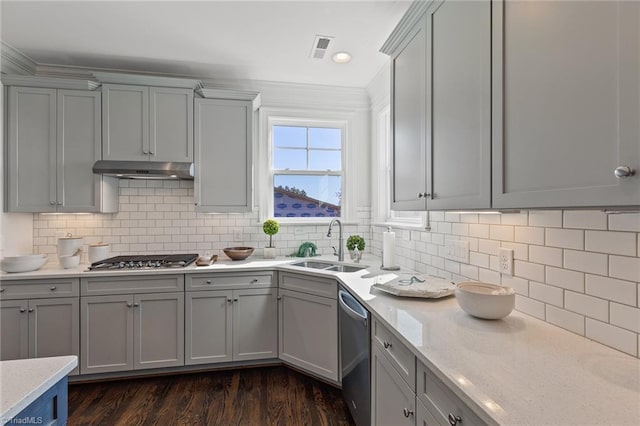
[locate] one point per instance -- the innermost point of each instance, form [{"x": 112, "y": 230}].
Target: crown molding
[
  {"x": 147, "y": 80},
  {"x": 236, "y": 95},
  {"x": 49, "y": 82},
  {"x": 15, "y": 62},
  {"x": 412, "y": 15}
]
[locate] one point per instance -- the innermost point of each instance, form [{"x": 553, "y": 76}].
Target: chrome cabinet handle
[
  {"x": 145, "y": 152},
  {"x": 279, "y": 298},
  {"x": 407, "y": 412},
  {"x": 52, "y": 288},
  {"x": 151, "y": 152},
  {"x": 386, "y": 344},
  {"x": 623, "y": 172},
  {"x": 23, "y": 310},
  {"x": 53, "y": 203},
  {"x": 208, "y": 281},
  {"x": 423, "y": 195},
  {"x": 135, "y": 305},
  {"x": 229, "y": 300},
  {"x": 235, "y": 300},
  {"x": 454, "y": 420},
  {"x": 31, "y": 309},
  {"x": 255, "y": 280},
  {"x": 1, "y": 290},
  {"x": 129, "y": 305}
]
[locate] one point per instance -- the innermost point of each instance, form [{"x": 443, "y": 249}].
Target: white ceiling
[{"x": 257, "y": 40}]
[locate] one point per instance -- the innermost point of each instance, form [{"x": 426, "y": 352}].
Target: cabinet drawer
[
  {"x": 399, "y": 355},
  {"x": 325, "y": 287},
  {"x": 33, "y": 289},
  {"x": 128, "y": 285},
  {"x": 440, "y": 401},
  {"x": 224, "y": 281}
]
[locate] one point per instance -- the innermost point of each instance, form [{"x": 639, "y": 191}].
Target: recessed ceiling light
[{"x": 341, "y": 57}]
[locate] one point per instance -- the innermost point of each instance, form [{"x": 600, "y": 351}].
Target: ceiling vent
[{"x": 320, "y": 46}]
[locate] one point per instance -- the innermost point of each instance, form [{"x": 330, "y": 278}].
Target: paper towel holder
[{"x": 388, "y": 268}]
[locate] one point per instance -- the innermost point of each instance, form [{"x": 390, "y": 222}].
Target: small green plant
[
  {"x": 271, "y": 228},
  {"x": 355, "y": 241}
]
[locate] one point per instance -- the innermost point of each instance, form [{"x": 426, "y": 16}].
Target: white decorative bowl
[
  {"x": 68, "y": 262},
  {"x": 30, "y": 262},
  {"x": 487, "y": 301}
]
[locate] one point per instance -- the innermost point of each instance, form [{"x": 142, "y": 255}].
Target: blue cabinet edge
[{"x": 49, "y": 409}]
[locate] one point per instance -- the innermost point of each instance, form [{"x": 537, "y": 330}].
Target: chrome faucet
[{"x": 340, "y": 251}]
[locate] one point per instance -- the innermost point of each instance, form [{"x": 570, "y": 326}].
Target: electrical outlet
[
  {"x": 506, "y": 261},
  {"x": 237, "y": 235}
]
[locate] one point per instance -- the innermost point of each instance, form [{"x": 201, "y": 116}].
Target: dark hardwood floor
[{"x": 252, "y": 396}]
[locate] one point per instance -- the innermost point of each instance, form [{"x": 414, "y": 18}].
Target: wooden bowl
[{"x": 238, "y": 253}]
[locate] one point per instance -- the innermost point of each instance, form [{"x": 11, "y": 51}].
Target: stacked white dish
[
  {"x": 69, "y": 251},
  {"x": 26, "y": 263}
]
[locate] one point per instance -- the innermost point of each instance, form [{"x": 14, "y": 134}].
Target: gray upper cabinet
[
  {"x": 147, "y": 123},
  {"x": 53, "y": 141},
  {"x": 459, "y": 104},
  {"x": 408, "y": 118},
  {"x": 566, "y": 102},
  {"x": 223, "y": 155}
]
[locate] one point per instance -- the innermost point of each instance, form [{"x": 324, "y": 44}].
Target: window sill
[
  {"x": 313, "y": 222},
  {"x": 401, "y": 225}
]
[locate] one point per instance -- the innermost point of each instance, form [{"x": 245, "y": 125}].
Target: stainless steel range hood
[{"x": 144, "y": 169}]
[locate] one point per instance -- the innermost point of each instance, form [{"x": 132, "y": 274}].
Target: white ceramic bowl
[
  {"x": 69, "y": 245},
  {"x": 487, "y": 301},
  {"x": 68, "y": 262},
  {"x": 31, "y": 262}
]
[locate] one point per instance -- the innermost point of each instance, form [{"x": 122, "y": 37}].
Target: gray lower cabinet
[
  {"x": 309, "y": 332},
  {"x": 393, "y": 403},
  {"x": 53, "y": 141},
  {"x": 231, "y": 325},
  {"x": 130, "y": 332},
  {"x": 566, "y": 102},
  {"x": 424, "y": 417},
  {"x": 223, "y": 183},
  {"x": 14, "y": 325},
  {"x": 147, "y": 123}
]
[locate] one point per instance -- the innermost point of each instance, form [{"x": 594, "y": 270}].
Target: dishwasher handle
[{"x": 351, "y": 306}]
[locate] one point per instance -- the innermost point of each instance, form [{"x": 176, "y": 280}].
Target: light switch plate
[
  {"x": 237, "y": 235},
  {"x": 457, "y": 250},
  {"x": 505, "y": 261}
]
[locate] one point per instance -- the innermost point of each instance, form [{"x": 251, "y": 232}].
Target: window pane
[
  {"x": 325, "y": 138},
  {"x": 294, "y": 159},
  {"x": 307, "y": 196},
  {"x": 289, "y": 136},
  {"x": 325, "y": 160}
]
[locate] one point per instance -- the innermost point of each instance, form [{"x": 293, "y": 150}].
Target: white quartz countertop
[
  {"x": 22, "y": 381},
  {"x": 518, "y": 370}
]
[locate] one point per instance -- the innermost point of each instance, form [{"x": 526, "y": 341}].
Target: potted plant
[
  {"x": 355, "y": 245},
  {"x": 271, "y": 228}
]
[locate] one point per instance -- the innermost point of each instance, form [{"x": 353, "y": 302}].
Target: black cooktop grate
[{"x": 165, "y": 260}]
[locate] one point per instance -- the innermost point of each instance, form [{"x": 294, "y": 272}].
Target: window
[{"x": 306, "y": 168}]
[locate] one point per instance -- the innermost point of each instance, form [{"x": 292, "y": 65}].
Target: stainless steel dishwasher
[{"x": 355, "y": 352}]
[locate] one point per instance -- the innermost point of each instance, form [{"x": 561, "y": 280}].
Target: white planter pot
[{"x": 269, "y": 252}]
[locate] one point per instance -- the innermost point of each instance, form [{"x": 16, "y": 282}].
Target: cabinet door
[
  {"x": 208, "y": 327},
  {"x": 408, "y": 118},
  {"x": 459, "y": 104},
  {"x": 106, "y": 332},
  {"x": 31, "y": 150},
  {"x": 170, "y": 124},
  {"x": 393, "y": 402},
  {"x": 309, "y": 333},
  {"x": 424, "y": 417},
  {"x": 54, "y": 327},
  {"x": 158, "y": 330},
  {"x": 14, "y": 325},
  {"x": 566, "y": 102},
  {"x": 223, "y": 155},
  {"x": 78, "y": 147},
  {"x": 255, "y": 324},
  {"x": 125, "y": 122}
]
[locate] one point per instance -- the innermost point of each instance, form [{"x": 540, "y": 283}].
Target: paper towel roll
[{"x": 389, "y": 249}]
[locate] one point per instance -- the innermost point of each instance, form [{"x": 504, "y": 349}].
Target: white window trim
[
  {"x": 309, "y": 118},
  {"x": 381, "y": 182}
]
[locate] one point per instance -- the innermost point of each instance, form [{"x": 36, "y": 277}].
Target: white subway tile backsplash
[
  {"x": 521, "y": 218},
  {"x": 624, "y": 222},
  {"x": 595, "y": 263},
  {"x": 479, "y": 230},
  {"x": 501, "y": 232},
  {"x": 489, "y": 247},
  {"x": 546, "y": 218},
  {"x": 626, "y": 268},
  {"x": 589, "y": 306},
  {"x": 488, "y": 276},
  {"x": 520, "y": 285},
  {"x": 565, "y": 238},
  {"x": 625, "y": 316},
  {"x": 585, "y": 219},
  {"x": 545, "y": 255},
  {"x": 479, "y": 259},
  {"x": 530, "y": 306},
  {"x": 546, "y": 293},
  {"x": 529, "y": 270},
  {"x": 520, "y": 251},
  {"x": 623, "y": 243},
  {"x": 565, "y": 319},
  {"x": 611, "y": 289},
  {"x": 529, "y": 235},
  {"x": 623, "y": 340},
  {"x": 492, "y": 219}
]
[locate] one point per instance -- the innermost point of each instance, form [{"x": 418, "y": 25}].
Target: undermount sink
[{"x": 329, "y": 266}]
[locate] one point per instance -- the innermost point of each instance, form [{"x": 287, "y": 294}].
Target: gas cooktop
[{"x": 152, "y": 261}]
